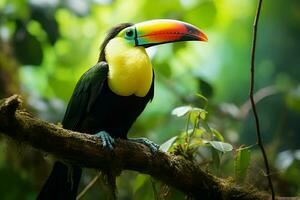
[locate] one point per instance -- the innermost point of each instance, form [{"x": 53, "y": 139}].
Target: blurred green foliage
[{"x": 45, "y": 46}]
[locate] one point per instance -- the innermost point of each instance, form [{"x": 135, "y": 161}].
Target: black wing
[{"x": 85, "y": 93}]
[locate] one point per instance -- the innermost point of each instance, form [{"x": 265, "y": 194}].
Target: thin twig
[
  {"x": 84, "y": 191},
  {"x": 258, "y": 96},
  {"x": 258, "y": 134}
]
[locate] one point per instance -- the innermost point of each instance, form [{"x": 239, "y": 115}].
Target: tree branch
[
  {"x": 251, "y": 96},
  {"x": 86, "y": 151}
]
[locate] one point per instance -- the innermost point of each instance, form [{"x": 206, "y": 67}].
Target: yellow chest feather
[{"x": 130, "y": 69}]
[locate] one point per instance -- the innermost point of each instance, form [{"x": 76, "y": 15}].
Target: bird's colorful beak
[{"x": 161, "y": 31}]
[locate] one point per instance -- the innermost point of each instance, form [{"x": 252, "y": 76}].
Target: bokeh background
[{"x": 45, "y": 46}]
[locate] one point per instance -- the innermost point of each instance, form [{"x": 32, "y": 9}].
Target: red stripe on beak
[{"x": 156, "y": 32}]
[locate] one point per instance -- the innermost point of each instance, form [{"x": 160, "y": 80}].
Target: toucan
[{"x": 110, "y": 96}]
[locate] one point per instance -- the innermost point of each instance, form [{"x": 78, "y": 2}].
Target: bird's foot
[
  {"x": 107, "y": 141},
  {"x": 152, "y": 146}
]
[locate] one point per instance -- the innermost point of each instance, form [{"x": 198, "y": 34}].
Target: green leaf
[
  {"x": 202, "y": 97},
  {"x": 197, "y": 142},
  {"x": 181, "y": 111},
  {"x": 142, "y": 188},
  {"x": 241, "y": 163},
  {"x": 196, "y": 112},
  {"x": 203, "y": 115},
  {"x": 221, "y": 146},
  {"x": 199, "y": 131},
  {"x": 139, "y": 182},
  {"x": 217, "y": 134},
  {"x": 166, "y": 145}
]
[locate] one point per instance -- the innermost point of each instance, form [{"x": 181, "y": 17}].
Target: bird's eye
[{"x": 129, "y": 33}]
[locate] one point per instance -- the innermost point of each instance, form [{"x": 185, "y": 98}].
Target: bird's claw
[
  {"x": 107, "y": 141},
  {"x": 152, "y": 146}
]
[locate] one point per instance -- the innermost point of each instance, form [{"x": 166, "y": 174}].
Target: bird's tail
[
  {"x": 110, "y": 180},
  {"x": 62, "y": 183}
]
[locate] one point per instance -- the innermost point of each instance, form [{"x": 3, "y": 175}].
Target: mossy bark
[{"x": 86, "y": 151}]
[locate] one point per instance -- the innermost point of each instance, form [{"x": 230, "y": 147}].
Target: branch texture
[{"x": 86, "y": 151}]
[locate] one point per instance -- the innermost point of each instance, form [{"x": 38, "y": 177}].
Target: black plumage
[
  {"x": 92, "y": 108},
  {"x": 95, "y": 109}
]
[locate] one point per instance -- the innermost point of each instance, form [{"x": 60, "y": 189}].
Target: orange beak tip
[{"x": 203, "y": 37}]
